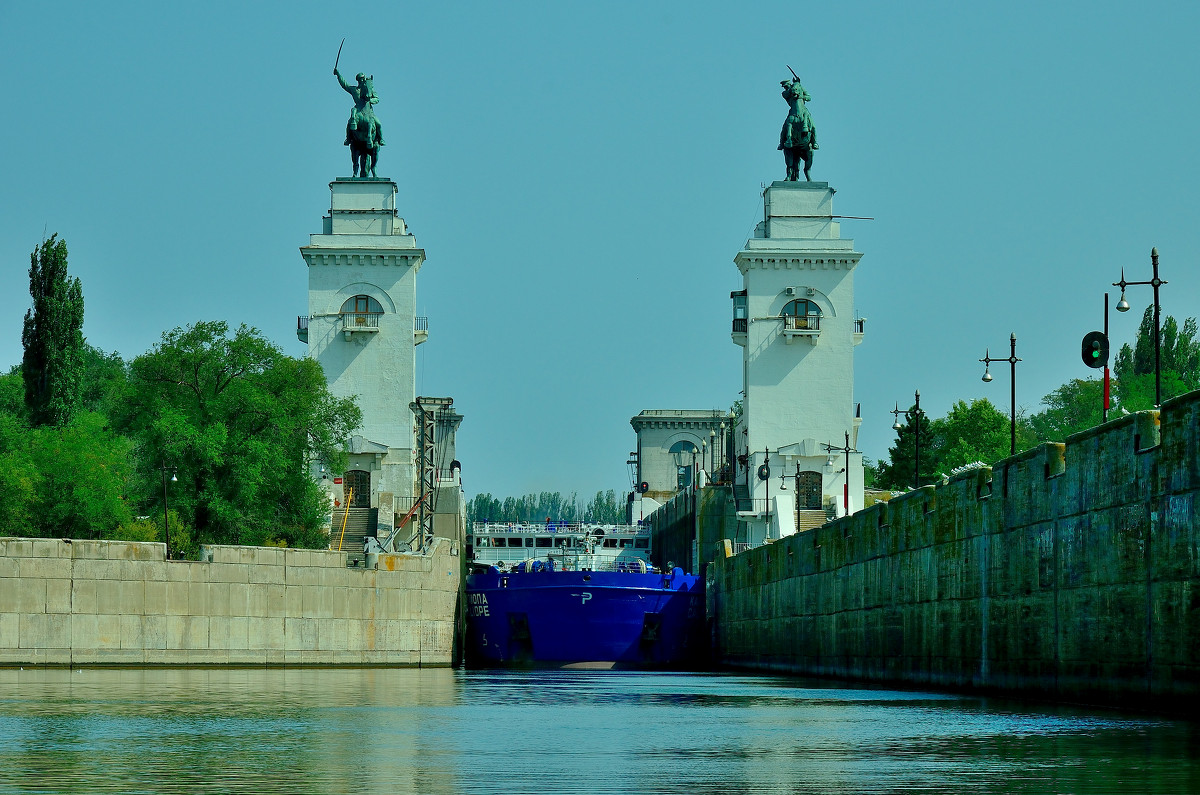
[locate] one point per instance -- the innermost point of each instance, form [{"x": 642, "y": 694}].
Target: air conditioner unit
[{"x": 790, "y": 291}]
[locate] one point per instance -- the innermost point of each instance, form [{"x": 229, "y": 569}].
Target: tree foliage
[
  {"x": 970, "y": 432},
  {"x": 604, "y": 508},
  {"x": 898, "y": 471},
  {"x": 1074, "y": 407},
  {"x": 52, "y": 337},
  {"x": 1180, "y": 362},
  {"x": 238, "y": 421}
]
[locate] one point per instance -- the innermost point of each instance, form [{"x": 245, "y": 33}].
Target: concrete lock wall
[
  {"x": 122, "y": 603},
  {"x": 1070, "y": 571}
]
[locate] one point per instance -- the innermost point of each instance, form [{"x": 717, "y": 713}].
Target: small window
[
  {"x": 362, "y": 305},
  {"x": 641, "y": 543},
  {"x": 528, "y": 542},
  {"x": 610, "y": 543},
  {"x": 801, "y": 307},
  {"x": 626, "y": 543},
  {"x": 544, "y": 542}
]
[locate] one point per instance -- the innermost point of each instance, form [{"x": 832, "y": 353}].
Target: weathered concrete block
[
  {"x": 187, "y": 632},
  {"x": 132, "y": 636},
  {"x": 24, "y": 595},
  {"x": 238, "y": 629},
  {"x": 267, "y": 573},
  {"x": 44, "y": 567},
  {"x": 301, "y": 633},
  {"x": 10, "y": 634},
  {"x": 302, "y": 575},
  {"x": 45, "y": 630}
]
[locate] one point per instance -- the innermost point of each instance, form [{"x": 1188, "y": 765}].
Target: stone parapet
[
  {"x": 1069, "y": 571},
  {"x": 123, "y": 603}
]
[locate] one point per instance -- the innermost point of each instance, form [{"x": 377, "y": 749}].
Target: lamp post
[
  {"x": 987, "y": 377},
  {"x": 712, "y": 451},
  {"x": 909, "y": 415},
  {"x": 166, "y": 521},
  {"x": 723, "y": 456},
  {"x": 848, "y": 449},
  {"x": 1123, "y": 306},
  {"x": 703, "y": 453}
]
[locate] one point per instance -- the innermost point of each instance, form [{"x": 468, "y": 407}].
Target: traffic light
[{"x": 1095, "y": 349}]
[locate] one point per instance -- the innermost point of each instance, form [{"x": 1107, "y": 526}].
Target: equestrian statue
[
  {"x": 364, "y": 133},
  {"x": 798, "y": 139}
]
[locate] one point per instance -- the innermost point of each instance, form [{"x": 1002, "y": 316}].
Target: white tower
[
  {"x": 795, "y": 321},
  {"x": 362, "y": 292}
]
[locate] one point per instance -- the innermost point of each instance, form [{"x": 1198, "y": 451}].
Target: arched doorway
[
  {"x": 684, "y": 454},
  {"x": 356, "y": 489},
  {"x": 808, "y": 491}
]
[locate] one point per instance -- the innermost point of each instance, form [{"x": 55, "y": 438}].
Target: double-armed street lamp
[
  {"x": 987, "y": 377},
  {"x": 914, "y": 413},
  {"x": 166, "y": 521},
  {"x": 1123, "y": 306},
  {"x": 847, "y": 448}
]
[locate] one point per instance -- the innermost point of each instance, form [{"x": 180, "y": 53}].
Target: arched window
[
  {"x": 684, "y": 453},
  {"x": 362, "y": 305},
  {"x": 360, "y": 313},
  {"x": 801, "y": 314}
]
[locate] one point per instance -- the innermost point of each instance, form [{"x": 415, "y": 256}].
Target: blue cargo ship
[{"x": 574, "y": 595}]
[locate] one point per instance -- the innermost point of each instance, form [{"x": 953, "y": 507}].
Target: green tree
[
  {"x": 970, "y": 432},
  {"x": 52, "y": 337},
  {"x": 82, "y": 471},
  {"x": 1180, "y": 362},
  {"x": 241, "y": 421},
  {"x": 18, "y": 477},
  {"x": 103, "y": 379},
  {"x": 1074, "y": 407},
  {"x": 12, "y": 393},
  {"x": 604, "y": 508},
  {"x": 897, "y": 471}
]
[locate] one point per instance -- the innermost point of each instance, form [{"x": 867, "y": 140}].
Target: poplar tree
[{"x": 53, "y": 337}]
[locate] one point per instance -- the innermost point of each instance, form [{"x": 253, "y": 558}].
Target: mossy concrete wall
[
  {"x": 122, "y": 603},
  {"x": 1069, "y": 571},
  {"x": 691, "y": 524}
]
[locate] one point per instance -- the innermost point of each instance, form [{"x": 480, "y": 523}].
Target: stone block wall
[
  {"x": 1069, "y": 571},
  {"x": 122, "y": 603}
]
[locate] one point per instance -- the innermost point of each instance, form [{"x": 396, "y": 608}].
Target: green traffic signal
[{"x": 1095, "y": 349}]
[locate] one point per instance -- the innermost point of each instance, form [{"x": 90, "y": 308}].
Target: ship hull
[{"x": 585, "y": 619}]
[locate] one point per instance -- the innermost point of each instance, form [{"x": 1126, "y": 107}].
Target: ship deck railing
[{"x": 557, "y": 528}]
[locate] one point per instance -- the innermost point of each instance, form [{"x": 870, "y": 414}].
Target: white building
[
  {"x": 795, "y": 321},
  {"x": 362, "y": 328}
]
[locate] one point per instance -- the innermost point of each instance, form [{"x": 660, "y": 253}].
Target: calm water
[{"x": 446, "y": 731}]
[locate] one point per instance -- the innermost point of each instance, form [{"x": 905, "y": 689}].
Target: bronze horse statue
[
  {"x": 798, "y": 138},
  {"x": 364, "y": 133}
]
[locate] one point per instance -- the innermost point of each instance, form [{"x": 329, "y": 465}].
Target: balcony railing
[
  {"x": 360, "y": 321},
  {"x": 858, "y": 325},
  {"x": 802, "y": 323},
  {"x": 302, "y": 328},
  {"x": 420, "y": 324},
  {"x": 739, "y": 325}
]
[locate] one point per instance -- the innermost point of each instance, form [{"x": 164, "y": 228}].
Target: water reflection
[{"x": 441, "y": 731}]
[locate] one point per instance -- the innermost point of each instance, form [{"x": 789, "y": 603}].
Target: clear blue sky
[{"x": 581, "y": 177}]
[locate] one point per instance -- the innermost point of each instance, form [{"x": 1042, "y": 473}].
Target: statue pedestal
[
  {"x": 799, "y": 210},
  {"x": 363, "y": 207}
]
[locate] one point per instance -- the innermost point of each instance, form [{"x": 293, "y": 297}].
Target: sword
[
  {"x": 789, "y": 69},
  {"x": 339, "y": 57}
]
